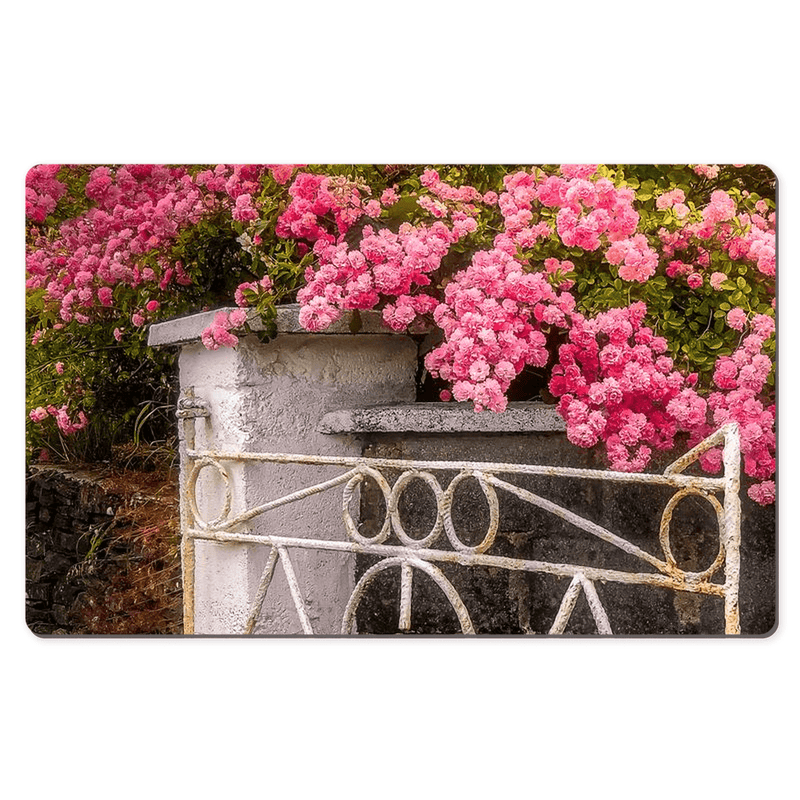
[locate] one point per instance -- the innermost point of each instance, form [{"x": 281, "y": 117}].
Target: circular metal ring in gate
[
  {"x": 494, "y": 512},
  {"x": 347, "y": 496},
  {"x": 191, "y": 490},
  {"x": 394, "y": 513},
  {"x": 663, "y": 534}
]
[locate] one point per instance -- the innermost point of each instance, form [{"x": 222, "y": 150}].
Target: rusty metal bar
[
  {"x": 294, "y": 589},
  {"x": 189, "y": 409},
  {"x": 261, "y": 593},
  {"x": 470, "y": 560},
  {"x": 406, "y": 578},
  {"x": 677, "y": 480},
  {"x": 731, "y": 528}
]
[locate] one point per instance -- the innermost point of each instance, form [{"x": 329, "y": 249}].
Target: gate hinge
[{"x": 190, "y": 407}]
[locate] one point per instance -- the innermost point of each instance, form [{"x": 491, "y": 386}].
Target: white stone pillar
[{"x": 270, "y": 398}]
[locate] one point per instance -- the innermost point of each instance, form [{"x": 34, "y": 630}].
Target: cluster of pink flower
[
  {"x": 706, "y": 170},
  {"x": 65, "y": 423},
  {"x": 264, "y": 286},
  {"x": 615, "y": 381},
  {"x": 591, "y": 214},
  {"x": 741, "y": 378},
  {"x": 137, "y": 209},
  {"x": 722, "y": 207},
  {"x": 617, "y": 386},
  {"x": 392, "y": 265},
  {"x": 756, "y": 244},
  {"x": 492, "y": 317},
  {"x": 218, "y": 334},
  {"x": 317, "y": 196},
  {"x": 383, "y": 265},
  {"x": 637, "y": 261},
  {"x": 42, "y": 191},
  {"x": 673, "y": 200}
]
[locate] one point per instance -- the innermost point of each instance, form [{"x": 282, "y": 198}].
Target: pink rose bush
[
  {"x": 492, "y": 318},
  {"x": 642, "y": 296}
]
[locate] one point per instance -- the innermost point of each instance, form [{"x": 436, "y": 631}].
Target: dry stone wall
[{"x": 66, "y": 512}]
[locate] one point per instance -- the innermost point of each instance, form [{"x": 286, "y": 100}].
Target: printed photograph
[{"x": 370, "y": 400}]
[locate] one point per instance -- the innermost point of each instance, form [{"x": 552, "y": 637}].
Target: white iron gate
[{"x": 422, "y": 555}]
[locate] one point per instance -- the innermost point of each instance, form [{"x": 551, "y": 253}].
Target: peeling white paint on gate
[{"x": 422, "y": 556}]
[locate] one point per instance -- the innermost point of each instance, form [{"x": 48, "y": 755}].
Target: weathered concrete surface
[
  {"x": 270, "y": 397},
  {"x": 185, "y": 330},
  {"x": 441, "y": 418},
  {"x": 503, "y": 602}
]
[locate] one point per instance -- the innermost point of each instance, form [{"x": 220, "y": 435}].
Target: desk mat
[{"x": 439, "y": 400}]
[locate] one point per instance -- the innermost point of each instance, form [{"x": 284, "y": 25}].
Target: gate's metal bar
[
  {"x": 595, "y": 606},
  {"x": 571, "y": 598},
  {"x": 188, "y": 568},
  {"x": 261, "y": 593},
  {"x": 348, "y": 621},
  {"x": 580, "y": 522},
  {"x": 189, "y": 409},
  {"x": 246, "y": 516},
  {"x": 472, "y": 560},
  {"x": 677, "y": 480},
  {"x": 731, "y": 529},
  {"x": 406, "y": 578},
  {"x": 294, "y": 588},
  {"x": 567, "y": 605},
  {"x": 687, "y": 459}
]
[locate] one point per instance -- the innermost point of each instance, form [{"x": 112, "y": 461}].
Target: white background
[{"x": 393, "y": 83}]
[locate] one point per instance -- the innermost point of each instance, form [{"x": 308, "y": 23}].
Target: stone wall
[
  {"x": 66, "y": 513},
  {"x": 102, "y": 552}
]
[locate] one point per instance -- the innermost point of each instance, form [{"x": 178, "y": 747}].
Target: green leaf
[{"x": 403, "y": 208}]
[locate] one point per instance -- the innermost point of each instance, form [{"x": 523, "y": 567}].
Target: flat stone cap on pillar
[
  {"x": 188, "y": 329},
  {"x": 442, "y": 418}
]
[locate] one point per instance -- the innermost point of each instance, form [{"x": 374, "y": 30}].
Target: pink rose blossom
[
  {"x": 717, "y": 279},
  {"x": 681, "y": 210},
  {"x": 736, "y": 318},
  {"x": 38, "y": 414},
  {"x": 762, "y": 493},
  {"x": 695, "y": 280}
]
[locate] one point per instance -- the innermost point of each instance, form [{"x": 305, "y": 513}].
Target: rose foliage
[{"x": 640, "y": 297}]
